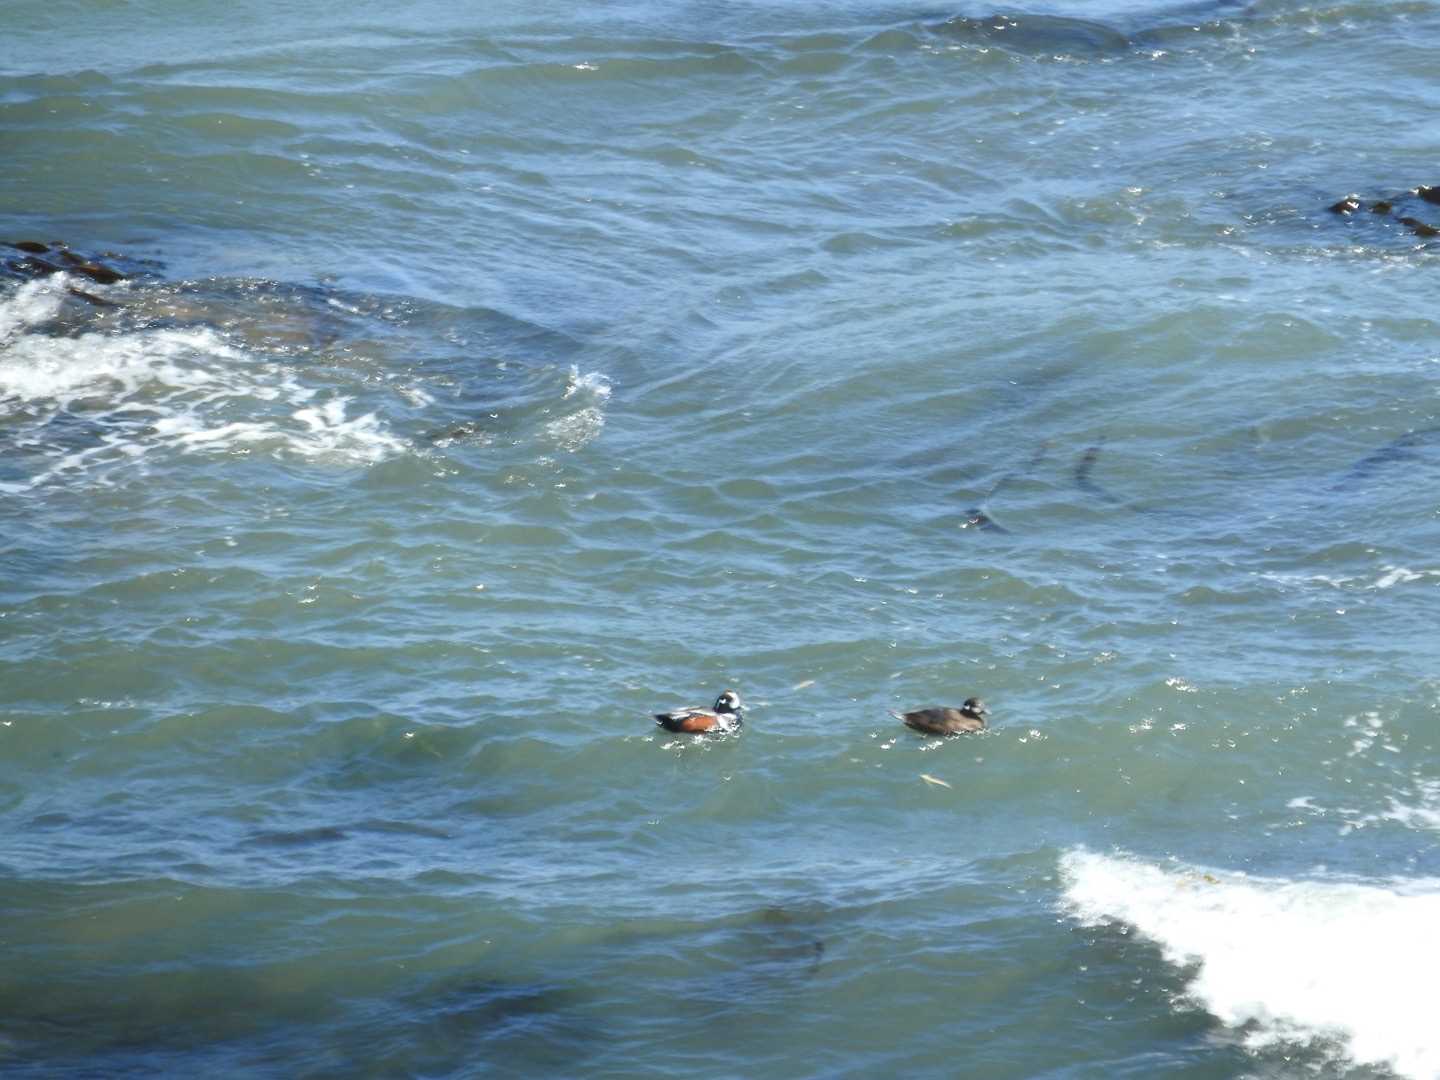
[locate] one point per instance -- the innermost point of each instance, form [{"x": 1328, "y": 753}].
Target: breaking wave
[
  {"x": 1325, "y": 962},
  {"x": 80, "y": 404}
]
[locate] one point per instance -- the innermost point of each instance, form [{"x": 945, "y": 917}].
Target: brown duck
[{"x": 944, "y": 721}]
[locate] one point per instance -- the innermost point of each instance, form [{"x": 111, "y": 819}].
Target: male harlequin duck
[
  {"x": 722, "y": 719},
  {"x": 969, "y": 717}
]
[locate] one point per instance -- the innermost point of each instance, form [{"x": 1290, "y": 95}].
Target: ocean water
[{"x": 486, "y": 378}]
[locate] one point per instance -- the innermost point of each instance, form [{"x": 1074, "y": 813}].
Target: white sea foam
[
  {"x": 1304, "y": 580},
  {"x": 1388, "y": 578},
  {"x": 80, "y": 404},
  {"x": 1424, "y": 813},
  {"x": 1400, "y": 575},
  {"x": 580, "y": 426},
  {"x": 1419, "y": 810},
  {"x": 33, "y": 303},
  {"x": 1337, "y": 963}
]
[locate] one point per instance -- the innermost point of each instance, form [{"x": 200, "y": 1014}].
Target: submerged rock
[
  {"x": 59, "y": 259},
  {"x": 1394, "y": 207}
]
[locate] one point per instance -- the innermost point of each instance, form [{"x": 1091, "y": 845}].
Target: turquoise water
[{"x": 488, "y": 379}]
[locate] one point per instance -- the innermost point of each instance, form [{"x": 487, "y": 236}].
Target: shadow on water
[
  {"x": 552, "y": 1024},
  {"x": 219, "y": 1020},
  {"x": 1084, "y": 467},
  {"x": 1406, "y": 448},
  {"x": 157, "y": 977},
  {"x": 493, "y": 1025},
  {"x": 306, "y": 986},
  {"x": 1386, "y": 464}
]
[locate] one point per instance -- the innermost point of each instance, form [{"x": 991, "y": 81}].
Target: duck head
[{"x": 729, "y": 702}]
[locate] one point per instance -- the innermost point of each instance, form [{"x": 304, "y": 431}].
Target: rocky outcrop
[
  {"x": 1400, "y": 208},
  {"x": 32, "y": 259}
]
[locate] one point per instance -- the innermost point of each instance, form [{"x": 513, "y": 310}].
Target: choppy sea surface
[{"x": 485, "y": 378}]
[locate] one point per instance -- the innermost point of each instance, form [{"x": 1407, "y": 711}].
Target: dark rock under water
[
  {"x": 41, "y": 260},
  {"x": 1394, "y": 208}
]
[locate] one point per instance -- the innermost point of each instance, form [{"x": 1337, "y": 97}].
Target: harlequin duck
[
  {"x": 969, "y": 717},
  {"x": 722, "y": 719}
]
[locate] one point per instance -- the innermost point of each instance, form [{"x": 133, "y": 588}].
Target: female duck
[{"x": 944, "y": 721}]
